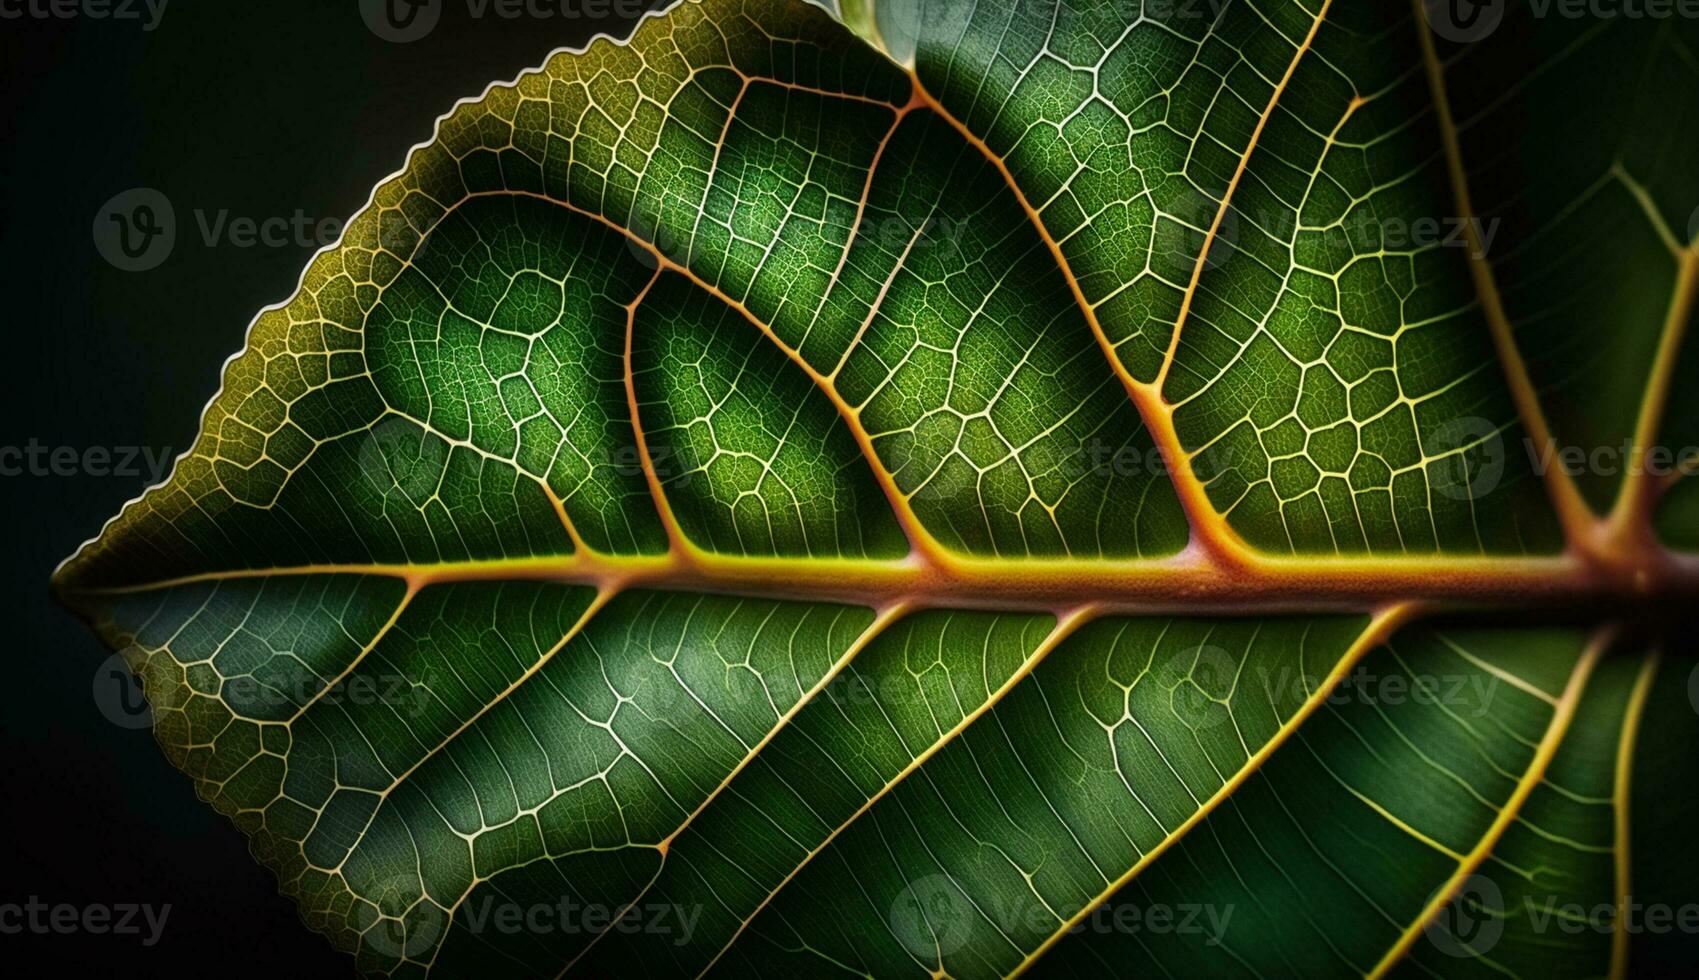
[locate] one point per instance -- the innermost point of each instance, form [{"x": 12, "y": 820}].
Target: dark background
[{"x": 261, "y": 109}]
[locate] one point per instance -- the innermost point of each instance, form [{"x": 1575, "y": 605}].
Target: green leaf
[{"x": 959, "y": 494}]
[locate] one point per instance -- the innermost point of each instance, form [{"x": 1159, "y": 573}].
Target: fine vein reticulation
[{"x": 906, "y": 497}]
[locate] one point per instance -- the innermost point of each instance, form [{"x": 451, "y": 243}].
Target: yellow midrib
[{"x": 1177, "y": 583}]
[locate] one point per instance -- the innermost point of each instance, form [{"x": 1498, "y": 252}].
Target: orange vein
[
  {"x": 559, "y": 506},
  {"x": 923, "y": 546},
  {"x": 1233, "y": 186},
  {"x": 679, "y": 545},
  {"x": 855, "y": 232},
  {"x": 1210, "y": 531}
]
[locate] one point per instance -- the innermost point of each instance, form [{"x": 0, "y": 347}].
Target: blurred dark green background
[{"x": 264, "y": 111}]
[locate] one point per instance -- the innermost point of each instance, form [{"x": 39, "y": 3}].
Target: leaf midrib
[{"x": 1177, "y": 584}]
